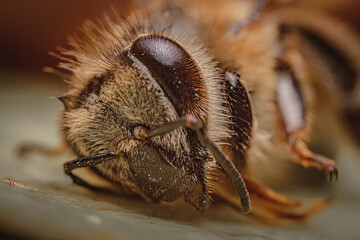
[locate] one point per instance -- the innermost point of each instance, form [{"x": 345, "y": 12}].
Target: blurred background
[
  {"x": 30, "y": 29},
  {"x": 35, "y": 200}
]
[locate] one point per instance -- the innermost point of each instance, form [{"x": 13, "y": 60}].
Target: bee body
[{"x": 155, "y": 95}]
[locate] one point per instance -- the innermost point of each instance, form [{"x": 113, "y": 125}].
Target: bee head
[
  {"x": 152, "y": 81},
  {"x": 146, "y": 79}
]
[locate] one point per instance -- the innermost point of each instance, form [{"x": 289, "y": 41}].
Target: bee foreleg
[
  {"x": 292, "y": 118},
  {"x": 87, "y": 162}
]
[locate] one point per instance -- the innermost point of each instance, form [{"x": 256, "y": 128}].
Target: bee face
[
  {"x": 149, "y": 81},
  {"x": 135, "y": 80}
]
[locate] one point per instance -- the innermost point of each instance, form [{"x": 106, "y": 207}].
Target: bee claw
[
  {"x": 308, "y": 158},
  {"x": 332, "y": 172}
]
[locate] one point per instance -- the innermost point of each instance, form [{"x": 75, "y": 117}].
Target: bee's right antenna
[{"x": 193, "y": 123}]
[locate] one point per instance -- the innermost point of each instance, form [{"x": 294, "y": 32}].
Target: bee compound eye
[
  {"x": 140, "y": 132},
  {"x": 172, "y": 67}
]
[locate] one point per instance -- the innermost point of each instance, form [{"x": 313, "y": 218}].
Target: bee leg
[
  {"x": 271, "y": 213},
  {"x": 268, "y": 206},
  {"x": 292, "y": 120},
  {"x": 268, "y": 194},
  {"x": 255, "y": 190},
  {"x": 87, "y": 162}
]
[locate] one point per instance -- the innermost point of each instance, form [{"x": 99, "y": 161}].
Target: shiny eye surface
[{"x": 173, "y": 68}]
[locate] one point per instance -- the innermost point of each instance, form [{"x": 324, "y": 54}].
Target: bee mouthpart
[{"x": 193, "y": 123}]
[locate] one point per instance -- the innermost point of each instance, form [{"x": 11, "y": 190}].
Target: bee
[{"x": 179, "y": 101}]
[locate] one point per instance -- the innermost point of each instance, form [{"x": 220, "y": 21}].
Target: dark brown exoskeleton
[{"x": 178, "y": 107}]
